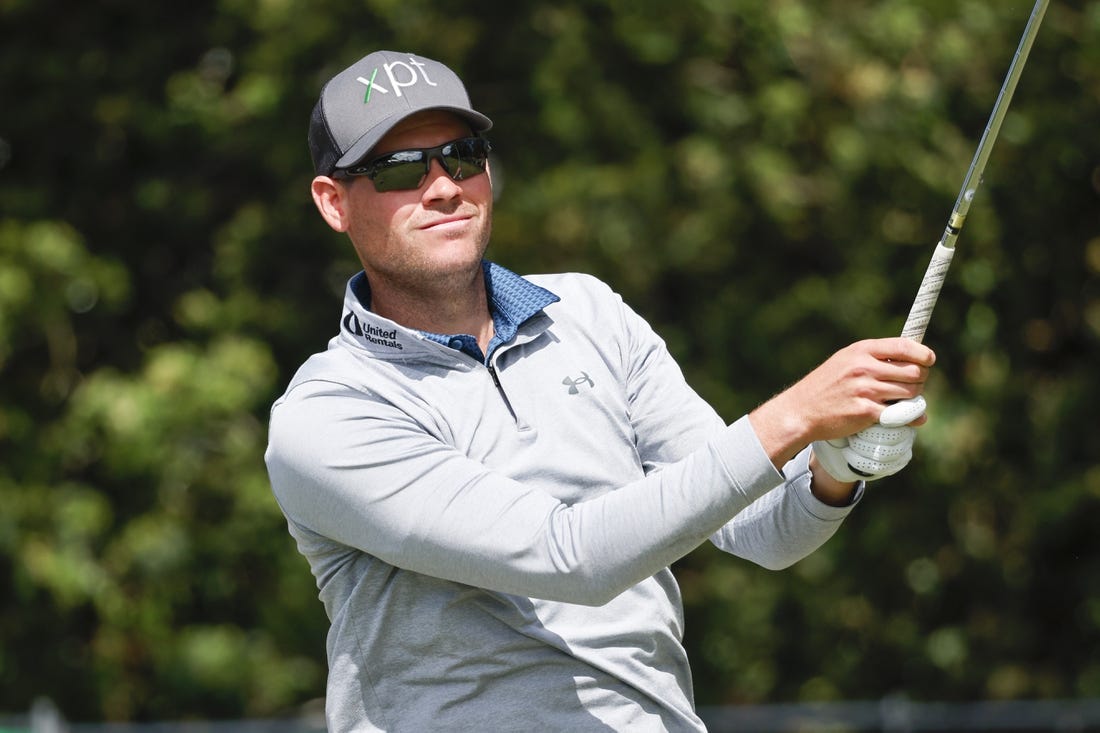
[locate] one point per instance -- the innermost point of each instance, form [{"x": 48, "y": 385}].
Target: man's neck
[{"x": 458, "y": 309}]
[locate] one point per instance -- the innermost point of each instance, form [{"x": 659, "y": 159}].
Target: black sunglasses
[{"x": 405, "y": 170}]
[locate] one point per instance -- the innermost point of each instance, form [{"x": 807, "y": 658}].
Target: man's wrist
[
  {"x": 827, "y": 489},
  {"x": 780, "y": 431}
]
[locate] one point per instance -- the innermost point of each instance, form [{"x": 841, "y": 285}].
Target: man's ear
[{"x": 331, "y": 200}]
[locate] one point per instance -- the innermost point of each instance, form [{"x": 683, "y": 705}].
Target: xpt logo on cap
[{"x": 399, "y": 74}]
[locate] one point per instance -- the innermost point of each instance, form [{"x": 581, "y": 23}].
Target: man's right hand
[{"x": 847, "y": 393}]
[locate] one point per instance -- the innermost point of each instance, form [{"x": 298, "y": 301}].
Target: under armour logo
[{"x": 572, "y": 384}]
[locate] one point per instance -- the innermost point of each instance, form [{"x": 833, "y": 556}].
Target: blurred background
[{"x": 764, "y": 181}]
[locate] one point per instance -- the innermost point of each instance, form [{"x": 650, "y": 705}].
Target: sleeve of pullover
[
  {"x": 781, "y": 527},
  {"x": 357, "y": 471},
  {"x": 786, "y": 524}
]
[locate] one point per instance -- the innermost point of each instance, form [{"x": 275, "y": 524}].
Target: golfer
[{"x": 490, "y": 474}]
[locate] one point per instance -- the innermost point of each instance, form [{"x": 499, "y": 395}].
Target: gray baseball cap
[{"x": 364, "y": 101}]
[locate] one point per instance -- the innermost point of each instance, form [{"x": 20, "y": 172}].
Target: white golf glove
[{"x": 875, "y": 452}]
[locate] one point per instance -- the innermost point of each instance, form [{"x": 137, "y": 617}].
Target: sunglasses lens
[
  {"x": 399, "y": 172},
  {"x": 465, "y": 158}
]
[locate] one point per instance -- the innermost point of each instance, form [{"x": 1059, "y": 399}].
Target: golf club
[{"x": 916, "y": 324}]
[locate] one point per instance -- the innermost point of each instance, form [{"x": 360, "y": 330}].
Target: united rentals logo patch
[
  {"x": 399, "y": 74},
  {"x": 373, "y": 334}
]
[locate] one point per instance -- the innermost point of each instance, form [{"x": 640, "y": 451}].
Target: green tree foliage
[{"x": 764, "y": 181}]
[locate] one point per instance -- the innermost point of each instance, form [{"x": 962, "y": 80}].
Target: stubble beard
[{"x": 422, "y": 276}]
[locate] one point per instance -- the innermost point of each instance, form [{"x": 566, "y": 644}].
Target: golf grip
[
  {"x": 921, "y": 312},
  {"x": 925, "y": 302}
]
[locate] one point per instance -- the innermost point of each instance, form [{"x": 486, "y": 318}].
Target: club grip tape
[{"x": 928, "y": 293}]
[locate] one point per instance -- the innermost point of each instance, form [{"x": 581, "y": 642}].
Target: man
[{"x": 490, "y": 475}]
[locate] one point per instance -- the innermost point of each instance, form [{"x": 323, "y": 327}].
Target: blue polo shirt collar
[{"x": 512, "y": 301}]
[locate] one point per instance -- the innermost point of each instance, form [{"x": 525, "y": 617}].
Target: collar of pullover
[{"x": 513, "y": 300}]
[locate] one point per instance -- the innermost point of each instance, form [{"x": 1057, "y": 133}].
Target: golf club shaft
[{"x": 929, "y": 292}]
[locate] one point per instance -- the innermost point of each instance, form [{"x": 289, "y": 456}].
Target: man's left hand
[{"x": 875, "y": 452}]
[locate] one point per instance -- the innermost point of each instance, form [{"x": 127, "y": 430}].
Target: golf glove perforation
[{"x": 875, "y": 452}]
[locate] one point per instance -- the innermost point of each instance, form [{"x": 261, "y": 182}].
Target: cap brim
[{"x": 362, "y": 147}]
